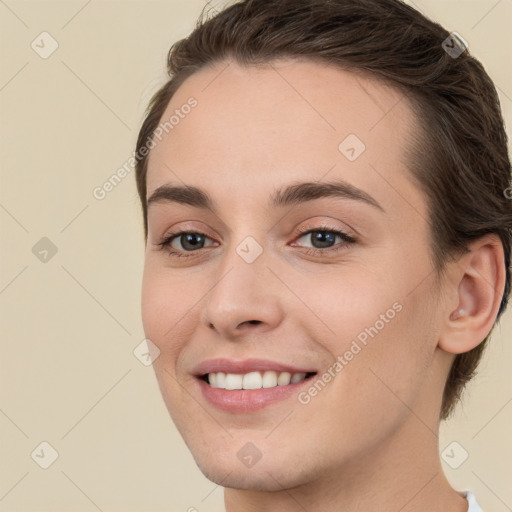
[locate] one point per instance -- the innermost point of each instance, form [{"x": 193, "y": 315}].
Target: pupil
[
  {"x": 324, "y": 238},
  {"x": 189, "y": 239}
]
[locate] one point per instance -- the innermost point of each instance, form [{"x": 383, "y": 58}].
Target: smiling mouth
[{"x": 254, "y": 380}]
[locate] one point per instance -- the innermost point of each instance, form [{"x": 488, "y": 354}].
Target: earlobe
[{"x": 480, "y": 283}]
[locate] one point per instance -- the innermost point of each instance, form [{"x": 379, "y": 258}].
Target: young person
[{"x": 328, "y": 241}]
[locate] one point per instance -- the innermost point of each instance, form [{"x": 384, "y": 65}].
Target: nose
[{"x": 244, "y": 298}]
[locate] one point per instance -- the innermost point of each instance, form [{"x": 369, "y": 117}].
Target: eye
[
  {"x": 323, "y": 240},
  {"x": 184, "y": 241}
]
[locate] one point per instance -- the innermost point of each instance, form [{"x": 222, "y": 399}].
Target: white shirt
[{"x": 473, "y": 504}]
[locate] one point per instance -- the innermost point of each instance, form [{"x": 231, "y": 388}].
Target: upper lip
[{"x": 245, "y": 366}]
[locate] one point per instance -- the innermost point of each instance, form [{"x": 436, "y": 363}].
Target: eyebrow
[{"x": 289, "y": 196}]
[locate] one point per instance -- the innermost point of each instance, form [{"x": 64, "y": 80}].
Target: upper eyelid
[
  {"x": 333, "y": 223},
  {"x": 301, "y": 232},
  {"x": 317, "y": 222}
]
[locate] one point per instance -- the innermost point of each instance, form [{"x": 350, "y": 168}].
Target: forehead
[{"x": 256, "y": 127}]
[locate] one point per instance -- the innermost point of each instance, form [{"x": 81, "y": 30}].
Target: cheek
[
  {"x": 162, "y": 306},
  {"x": 347, "y": 304},
  {"x": 153, "y": 298},
  {"x": 170, "y": 308},
  {"x": 380, "y": 331},
  {"x": 166, "y": 312}
]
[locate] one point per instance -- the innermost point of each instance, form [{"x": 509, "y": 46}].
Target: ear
[{"x": 477, "y": 282}]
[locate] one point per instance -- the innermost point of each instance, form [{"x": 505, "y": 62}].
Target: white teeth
[
  {"x": 234, "y": 381},
  {"x": 284, "y": 379},
  {"x": 297, "y": 377},
  {"x": 253, "y": 380},
  {"x": 269, "y": 379},
  {"x": 220, "y": 380}
]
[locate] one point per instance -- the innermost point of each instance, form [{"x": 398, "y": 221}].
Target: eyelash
[{"x": 348, "y": 240}]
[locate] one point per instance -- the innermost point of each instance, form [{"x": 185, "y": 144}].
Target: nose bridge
[{"x": 243, "y": 291}]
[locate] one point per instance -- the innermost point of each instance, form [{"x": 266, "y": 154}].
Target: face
[{"x": 274, "y": 277}]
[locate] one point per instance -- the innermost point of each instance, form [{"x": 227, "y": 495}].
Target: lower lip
[{"x": 248, "y": 400}]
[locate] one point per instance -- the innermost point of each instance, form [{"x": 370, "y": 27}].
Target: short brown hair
[{"x": 459, "y": 160}]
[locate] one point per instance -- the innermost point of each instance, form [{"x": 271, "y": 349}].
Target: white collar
[{"x": 473, "y": 504}]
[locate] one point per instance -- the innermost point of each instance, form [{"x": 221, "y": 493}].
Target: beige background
[{"x": 68, "y": 375}]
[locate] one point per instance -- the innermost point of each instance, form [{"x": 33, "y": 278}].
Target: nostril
[{"x": 252, "y": 322}]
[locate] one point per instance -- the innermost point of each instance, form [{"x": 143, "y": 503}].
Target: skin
[{"x": 368, "y": 440}]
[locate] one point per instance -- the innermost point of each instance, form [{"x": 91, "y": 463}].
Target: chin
[
  {"x": 254, "y": 479},
  {"x": 268, "y": 474}
]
